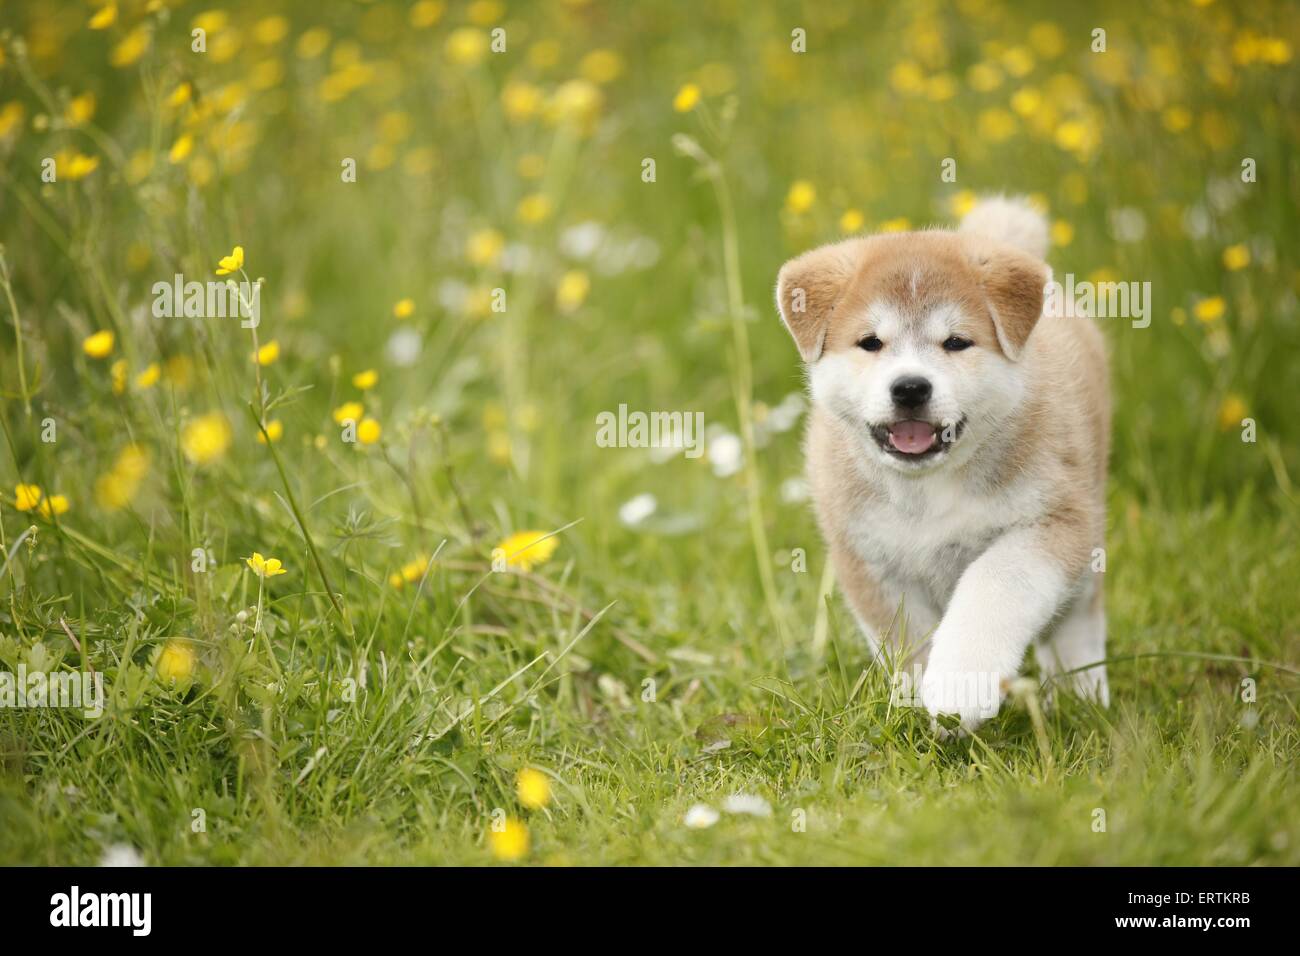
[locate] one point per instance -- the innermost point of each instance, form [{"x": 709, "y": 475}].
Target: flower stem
[{"x": 743, "y": 390}]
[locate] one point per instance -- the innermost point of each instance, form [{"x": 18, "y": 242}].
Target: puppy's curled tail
[{"x": 1011, "y": 220}]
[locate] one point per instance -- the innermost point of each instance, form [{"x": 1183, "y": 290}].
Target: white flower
[
  {"x": 1127, "y": 224},
  {"x": 1196, "y": 222},
  {"x": 794, "y": 490},
  {"x": 404, "y": 347},
  {"x": 701, "y": 817},
  {"x": 120, "y": 854},
  {"x": 725, "y": 454},
  {"x": 786, "y": 415},
  {"x": 636, "y": 510},
  {"x": 582, "y": 241},
  {"x": 755, "y": 806}
]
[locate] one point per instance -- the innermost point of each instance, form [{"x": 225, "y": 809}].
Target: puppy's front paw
[{"x": 950, "y": 688}]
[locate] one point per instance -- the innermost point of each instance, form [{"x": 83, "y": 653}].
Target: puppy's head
[{"x": 914, "y": 340}]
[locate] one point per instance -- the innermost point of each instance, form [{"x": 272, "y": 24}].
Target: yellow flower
[
  {"x": 572, "y": 290},
  {"x": 270, "y": 30},
  {"x": 941, "y": 88},
  {"x": 76, "y": 165},
  {"x": 901, "y": 224},
  {"x": 852, "y": 221},
  {"x": 313, "y": 43},
  {"x": 801, "y": 196},
  {"x": 544, "y": 53},
  {"x": 1047, "y": 38},
  {"x": 99, "y": 345},
  {"x": 1211, "y": 309},
  {"x": 181, "y": 149},
  {"x": 118, "y": 373},
  {"x": 403, "y": 308},
  {"x": 180, "y": 96},
  {"x": 984, "y": 77},
  {"x": 149, "y": 377},
  {"x": 533, "y": 788},
  {"x": 264, "y": 567},
  {"x": 511, "y": 842},
  {"x": 1026, "y": 101},
  {"x": 349, "y": 412},
  {"x": 484, "y": 247},
  {"x": 499, "y": 447},
  {"x": 11, "y": 117},
  {"x": 1077, "y": 136},
  {"x": 131, "y": 48},
  {"x": 205, "y": 439},
  {"x": 533, "y": 209},
  {"x": 426, "y": 13},
  {"x": 410, "y": 572},
  {"x": 103, "y": 18},
  {"x": 365, "y": 380},
  {"x": 963, "y": 202},
  {"x": 80, "y": 109},
  {"x": 268, "y": 353},
  {"x": 687, "y": 98},
  {"x": 467, "y": 46},
  {"x": 118, "y": 487},
  {"x": 53, "y": 505},
  {"x": 232, "y": 262},
  {"x": 176, "y": 662},
  {"x": 907, "y": 77},
  {"x": 1176, "y": 118},
  {"x": 26, "y": 497},
  {"x": 995, "y": 125},
  {"x": 601, "y": 66},
  {"x": 1231, "y": 412},
  {"x": 576, "y": 100},
  {"x": 1236, "y": 257},
  {"x": 485, "y": 12},
  {"x": 528, "y": 549},
  {"x": 521, "y": 100},
  {"x": 368, "y": 431},
  {"x": 179, "y": 370},
  {"x": 274, "y": 428},
  {"x": 1062, "y": 233}
]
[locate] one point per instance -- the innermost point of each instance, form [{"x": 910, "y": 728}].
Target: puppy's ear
[
  {"x": 808, "y": 287},
  {"x": 1014, "y": 285}
]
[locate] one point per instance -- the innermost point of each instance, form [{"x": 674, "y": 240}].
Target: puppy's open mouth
[{"x": 913, "y": 440}]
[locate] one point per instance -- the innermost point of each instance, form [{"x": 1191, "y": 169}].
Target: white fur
[
  {"x": 1079, "y": 640},
  {"x": 1004, "y": 598},
  {"x": 1013, "y": 221}
]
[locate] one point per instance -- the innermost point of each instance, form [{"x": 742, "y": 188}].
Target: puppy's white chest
[{"x": 922, "y": 535}]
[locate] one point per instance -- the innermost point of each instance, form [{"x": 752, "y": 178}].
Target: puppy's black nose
[{"x": 910, "y": 391}]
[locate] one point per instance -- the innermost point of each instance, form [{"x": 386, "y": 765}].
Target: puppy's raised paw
[{"x": 972, "y": 697}]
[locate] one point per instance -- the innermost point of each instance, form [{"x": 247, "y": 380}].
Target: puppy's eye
[
  {"x": 955, "y": 343},
  {"x": 871, "y": 343}
]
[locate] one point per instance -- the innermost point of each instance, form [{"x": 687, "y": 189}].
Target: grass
[{"x": 363, "y": 722}]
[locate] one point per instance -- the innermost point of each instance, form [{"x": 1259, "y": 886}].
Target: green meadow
[{"x": 357, "y": 579}]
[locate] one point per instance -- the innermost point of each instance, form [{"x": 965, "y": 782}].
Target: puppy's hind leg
[{"x": 1078, "y": 640}]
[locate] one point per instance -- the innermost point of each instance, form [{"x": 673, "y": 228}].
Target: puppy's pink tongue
[{"x": 911, "y": 438}]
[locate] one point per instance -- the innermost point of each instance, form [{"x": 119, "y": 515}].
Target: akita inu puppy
[{"x": 956, "y": 451}]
